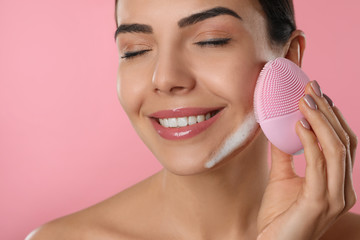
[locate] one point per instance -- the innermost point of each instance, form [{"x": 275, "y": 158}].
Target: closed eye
[
  {"x": 128, "y": 55},
  {"x": 214, "y": 42}
]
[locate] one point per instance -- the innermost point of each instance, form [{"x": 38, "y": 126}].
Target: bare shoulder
[
  {"x": 79, "y": 225},
  {"x": 118, "y": 217},
  {"x": 57, "y": 229},
  {"x": 346, "y": 227}
]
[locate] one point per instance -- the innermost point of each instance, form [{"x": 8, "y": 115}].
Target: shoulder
[
  {"x": 346, "y": 227},
  {"x": 118, "y": 217},
  {"x": 69, "y": 227},
  {"x": 96, "y": 222},
  {"x": 54, "y": 230}
]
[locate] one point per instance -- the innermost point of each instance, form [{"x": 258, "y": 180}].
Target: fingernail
[
  {"x": 315, "y": 86},
  {"x": 305, "y": 123},
  {"x": 310, "y": 102},
  {"x": 331, "y": 103}
]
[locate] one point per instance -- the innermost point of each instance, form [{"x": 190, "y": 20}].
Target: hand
[{"x": 300, "y": 208}]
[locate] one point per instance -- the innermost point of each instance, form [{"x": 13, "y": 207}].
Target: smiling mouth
[{"x": 186, "y": 120}]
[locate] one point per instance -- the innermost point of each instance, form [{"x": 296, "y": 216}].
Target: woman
[{"x": 186, "y": 79}]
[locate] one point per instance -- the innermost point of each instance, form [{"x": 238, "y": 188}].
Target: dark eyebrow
[
  {"x": 213, "y": 12},
  {"x": 184, "y": 22},
  {"x": 126, "y": 28}
]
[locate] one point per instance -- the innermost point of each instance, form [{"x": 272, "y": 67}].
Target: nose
[{"x": 172, "y": 75}]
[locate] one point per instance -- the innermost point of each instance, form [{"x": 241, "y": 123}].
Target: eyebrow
[{"x": 184, "y": 22}]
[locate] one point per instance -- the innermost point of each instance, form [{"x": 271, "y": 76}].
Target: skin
[{"x": 238, "y": 198}]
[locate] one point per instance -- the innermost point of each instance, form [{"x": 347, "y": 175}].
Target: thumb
[{"x": 282, "y": 164}]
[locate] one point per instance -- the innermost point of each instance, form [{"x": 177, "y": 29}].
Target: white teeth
[
  {"x": 207, "y": 116},
  {"x": 166, "y": 123},
  {"x": 192, "y": 120},
  {"x": 184, "y": 121},
  {"x": 200, "y": 118},
  {"x": 172, "y": 122}
]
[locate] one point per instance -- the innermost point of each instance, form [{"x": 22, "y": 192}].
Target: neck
[{"x": 222, "y": 203}]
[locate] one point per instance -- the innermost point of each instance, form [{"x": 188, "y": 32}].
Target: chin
[
  {"x": 185, "y": 165},
  {"x": 199, "y": 165}
]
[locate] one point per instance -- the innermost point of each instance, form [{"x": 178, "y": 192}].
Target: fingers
[
  {"x": 332, "y": 147},
  {"x": 352, "y": 135},
  {"x": 350, "y": 195},
  {"x": 282, "y": 165},
  {"x": 315, "y": 173},
  {"x": 338, "y": 143}
]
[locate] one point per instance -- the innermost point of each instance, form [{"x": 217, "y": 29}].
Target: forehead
[{"x": 167, "y": 11}]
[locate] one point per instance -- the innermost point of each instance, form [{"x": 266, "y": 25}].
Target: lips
[{"x": 184, "y": 123}]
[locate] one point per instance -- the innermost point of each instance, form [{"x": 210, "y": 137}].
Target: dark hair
[
  {"x": 279, "y": 15},
  {"x": 280, "y": 19}
]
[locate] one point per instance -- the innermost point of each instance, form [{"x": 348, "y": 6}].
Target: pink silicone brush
[{"x": 279, "y": 88}]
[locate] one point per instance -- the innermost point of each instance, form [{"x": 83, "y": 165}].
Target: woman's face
[{"x": 186, "y": 68}]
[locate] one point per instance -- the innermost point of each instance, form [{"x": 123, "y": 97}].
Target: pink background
[{"x": 65, "y": 142}]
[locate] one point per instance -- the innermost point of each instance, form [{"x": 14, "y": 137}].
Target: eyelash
[
  {"x": 217, "y": 42},
  {"x": 129, "y": 55}
]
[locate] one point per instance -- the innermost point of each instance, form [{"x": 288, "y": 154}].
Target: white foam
[{"x": 236, "y": 140}]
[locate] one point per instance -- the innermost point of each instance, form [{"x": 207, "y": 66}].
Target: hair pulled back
[{"x": 279, "y": 15}]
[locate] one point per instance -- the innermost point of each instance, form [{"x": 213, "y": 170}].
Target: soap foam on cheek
[{"x": 236, "y": 140}]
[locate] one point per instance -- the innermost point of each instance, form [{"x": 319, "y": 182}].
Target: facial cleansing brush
[{"x": 279, "y": 88}]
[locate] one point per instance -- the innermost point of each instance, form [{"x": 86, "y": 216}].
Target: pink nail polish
[
  {"x": 305, "y": 123},
  {"x": 331, "y": 103},
  {"x": 310, "y": 102},
  {"x": 315, "y": 86}
]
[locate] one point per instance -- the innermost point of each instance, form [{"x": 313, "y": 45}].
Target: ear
[{"x": 295, "y": 47}]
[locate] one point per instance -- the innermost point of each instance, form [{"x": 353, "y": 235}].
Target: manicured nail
[
  {"x": 310, "y": 102},
  {"x": 331, "y": 103},
  {"x": 305, "y": 123},
  {"x": 315, "y": 86}
]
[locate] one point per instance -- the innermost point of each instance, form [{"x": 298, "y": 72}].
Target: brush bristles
[{"x": 280, "y": 86}]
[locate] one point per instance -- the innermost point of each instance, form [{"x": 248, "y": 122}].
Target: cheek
[
  {"x": 242, "y": 76},
  {"x": 130, "y": 89},
  {"x": 232, "y": 78}
]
